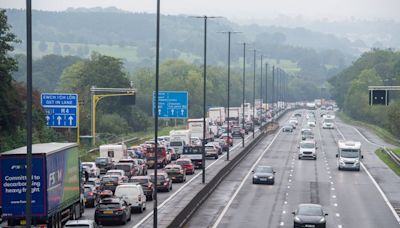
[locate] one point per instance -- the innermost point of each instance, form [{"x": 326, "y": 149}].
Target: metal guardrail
[
  {"x": 185, "y": 214},
  {"x": 392, "y": 155}
]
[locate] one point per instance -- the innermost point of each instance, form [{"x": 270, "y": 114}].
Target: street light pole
[
  {"x": 273, "y": 92},
  {"x": 254, "y": 89},
  {"x": 229, "y": 86},
  {"x": 156, "y": 113},
  {"x": 261, "y": 88},
  {"x": 266, "y": 85},
  {"x": 244, "y": 86}
]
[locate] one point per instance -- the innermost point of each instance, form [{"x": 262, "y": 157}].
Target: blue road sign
[
  {"x": 60, "y": 109},
  {"x": 61, "y": 117},
  {"x": 171, "y": 104},
  {"x": 59, "y": 100}
]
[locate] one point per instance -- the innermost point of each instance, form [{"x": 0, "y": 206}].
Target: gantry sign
[
  {"x": 100, "y": 93},
  {"x": 379, "y": 95}
]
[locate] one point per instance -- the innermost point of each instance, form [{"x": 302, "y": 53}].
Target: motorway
[
  {"x": 352, "y": 199},
  {"x": 139, "y": 218}
]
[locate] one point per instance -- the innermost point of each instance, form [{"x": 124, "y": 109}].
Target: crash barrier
[
  {"x": 392, "y": 156},
  {"x": 185, "y": 214}
]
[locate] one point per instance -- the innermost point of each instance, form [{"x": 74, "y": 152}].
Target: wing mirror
[
  {"x": 274, "y": 171},
  {"x": 252, "y": 171},
  {"x": 293, "y": 213},
  {"x": 326, "y": 214},
  {"x": 337, "y": 155},
  {"x": 362, "y": 156},
  {"x": 298, "y": 147}
]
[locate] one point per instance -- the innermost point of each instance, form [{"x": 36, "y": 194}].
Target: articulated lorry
[
  {"x": 56, "y": 185},
  {"x": 216, "y": 115}
]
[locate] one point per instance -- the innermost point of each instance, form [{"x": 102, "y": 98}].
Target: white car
[
  {"x": 80, "y": 223},
  {"x": 295, "y": 121},
  {"x": 311, "y": 123},
  {"x": 307, "y": 149},
  {"x": 91, "y": 168},
  {"x": 132, "y": 194}
]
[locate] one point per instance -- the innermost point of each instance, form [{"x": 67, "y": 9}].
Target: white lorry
[
  {"x": 196, "y": 128},
  {"x": 115, "y": 151},
  {"x": 349, "y": 155},
  {"x": 216, "y": 115},
  {"x": 179, "y": 139},
  {"x": 234, "y": 114}
]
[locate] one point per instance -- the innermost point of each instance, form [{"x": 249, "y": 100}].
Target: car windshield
[
  {"x": 109, "y": 205},
  {"x": 328, "y": 121},
  {"x": 159, "y": 177},
  {"x": 109, "y": 179},
  {"x": 307, "y": 133},
  {"x": 307, "y": 145},
  {"x": 175, "y": 143},
  {"x": 87, "y": 165},
  {"x": 114, "y": 173},
  {"x": 264, "y": 169},
  {"x": 77, "y": 225},
  {"x": 349, "y": 153},
  {"x": 183, "y": 162},
  {"x": 139, "y": 181},
  {"x": 172, "y": 170},
  {"x": 101, "y": 160},
  {"x": 310, "y": 211},
  {"x": 125, "y": 191},
  {"x": 126, "y": 168},
  {"x": 88, "y": 189}
]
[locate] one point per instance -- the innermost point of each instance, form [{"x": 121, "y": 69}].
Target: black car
[
  {"x": 163, "y": 182},
  {"x": 146, "y": 184},
  {"x": 90, "y": 195},
  {"x": 237, "y": 132},
  {"x": 287, "y": 128},
  {"x": 104, "y": 164},
  {"x": 297, "y": 114},
  {"x": 309, "y": 215},
  {"x": 263, "y": 175},
  {"x": 248, "y": 127},
  {"x": 112, "y": 210}
]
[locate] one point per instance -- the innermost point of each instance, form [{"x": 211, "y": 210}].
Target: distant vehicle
[
  {"x": 263, "y": 174},
  {"x": 91, "y": 167},
  {"x": 163, "y": 182},
  {"x": 292, "y": 124},
  {"x": 306, "y": 133},
  {"x": 175, "y": 172},
  {"x": 179, "y": 139},
  {"x": 91, "y": 198},
  {"x": 309, "y": 215},
  {"x": 349, "y": 155},
  {"x": 248, "y": 127},
  {"x": 328, "y": 123},
  {"x": 195, "y": 141},
  {"x": 133, "y": 194},
  {"x": 142, "y": 166},
  {"x": 104, "y": 164},
  {"x": 147, "y": 185},
  {"x": 196, "y": 129},
  {"x": 195, "y": 154},
  {"x": 307, "y": 149},
  {"x": 186, "y": 164},
  {"x": 114, "y": 151},
  {"x": 218, "y": 144},
  {"x": 211, "y": 150},
  {"x": 80, "y": 224},
  {"x": 55, "y": 171},
  {"x": 311, "y": 123},
  {"x": 216, "y": 115},
  {"x": 237, "y": 132},
  {"x": 294, "y": 120},
  {"x": 228, "y": 141},
  {"x": 127, "y": 167},
  {"x": 234, "y": 113},
  {"x": 174, "y": 154},
  {"x": 287, "y": 128},
  {"x": 297, "y": 114},
  {"x": 161, "y": 156},
  {"x": 112, "y": 210},
  {"x": 118, "y": 172},
  {"x": 110, "y": 182}
]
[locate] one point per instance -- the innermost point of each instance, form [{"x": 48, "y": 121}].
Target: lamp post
[
  {"x": 266, "y": 85},
  {"x": 244, "y": 86},
  {"x": 204, "y": 98},
  {"x": 229, "y": 85},
  {"x": 254, "y": 89},
  {"x": 273, "y": 92},
  {"x": 261, "y": 88},
  {"x": 156, "y": 113}
]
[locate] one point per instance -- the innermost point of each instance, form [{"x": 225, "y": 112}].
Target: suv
[
  {"x": 129, "y": 168},
  {"x": 91, "y": 168},
  {"x": 237, "y": 132},
  {"x": 163, "y": 181},
  {"x": 307, "y": 149},
  {"x": 147, "y": 185},
  {"x": 112, "y": 210},
  {"x": 104, "y": 164},
  {"x": 211, "y": 150},
  {"x": 176, "y": 173},
  {"x": 133, "y": 194}
]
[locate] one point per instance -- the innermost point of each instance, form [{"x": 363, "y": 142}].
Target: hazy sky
[{"x": 237, "y": 9}]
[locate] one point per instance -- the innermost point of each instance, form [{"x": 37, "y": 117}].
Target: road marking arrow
[
  {"x": 182, "y": 111},
  {"x": 47, "y": 119},
  {"x": 172, "y": 111}
]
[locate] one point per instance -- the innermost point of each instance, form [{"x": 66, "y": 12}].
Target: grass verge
[
  {"x": 380, "y": 132},
  {"x": 388, "y": 161}
]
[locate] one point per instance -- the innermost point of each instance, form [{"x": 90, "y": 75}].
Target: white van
[
  {"x": 115, "y": 151},
  {"x": 307, "y": 149},
  {"x": 132, "y": 194},
  {"x": 349, "y": 155}
]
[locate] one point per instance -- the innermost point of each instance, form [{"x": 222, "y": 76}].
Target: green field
[{"x": 388, "y": 161}]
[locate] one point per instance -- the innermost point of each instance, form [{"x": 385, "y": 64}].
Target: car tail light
[
  {"x": 165, "y": 183},
  {"x": 120, "y": 210},
  {"x": 91, "y": 194}
]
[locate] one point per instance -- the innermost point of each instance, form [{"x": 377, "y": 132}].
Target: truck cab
[{"x": 349, "y": 155}]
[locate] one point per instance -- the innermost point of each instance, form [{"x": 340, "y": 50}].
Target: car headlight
[
  {"x": 356, "y": 162},
  {"x": 270, "y": 177},
  {"x": 297, "y": 219},
  {"x": 255, "y": 177},
  {"x": 322, "y": 220}
]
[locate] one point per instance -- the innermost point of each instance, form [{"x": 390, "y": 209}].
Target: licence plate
[
  {"x": 109, "y": 184},
  {"x": 108, "y": 212},
  {"x": 23, "y": 222},
  {"x": 173, "y": 178},
  {"x": 263, "y": 179},
  {"x": 309, "y": 225}
]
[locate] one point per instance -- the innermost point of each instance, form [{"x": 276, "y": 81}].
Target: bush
[{"x": 112, "y": 124}]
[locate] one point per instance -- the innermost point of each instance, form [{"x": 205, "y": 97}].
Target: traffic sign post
[
  {"x": 379, "y": 95},
  {"x": 171, "y": 104},
  {"x": 61, "y": 110}
]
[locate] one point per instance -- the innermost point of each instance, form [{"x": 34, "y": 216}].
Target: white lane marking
[
  {"x": 333, "y": 189},
  {"x": 335, "y": 204},
  {"x": 282, "y": 224},
  {"x": 334, "y": 196},
  {"x": 283, "y": 212},
  {"x": 285, "y": 202},
  {"x": 183, "y": 186},
  {"x": 337, "y": 215},
  {"x": 288, "y": 186},
  {"x": 243, "y": 181},
  {"x": 339, "y": 226},
  {"x": 396, "y": 216}
]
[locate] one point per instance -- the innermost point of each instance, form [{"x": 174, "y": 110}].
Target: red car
[
  {"x": 228, "y": 138},
  {"x": 186, "y": 164}
]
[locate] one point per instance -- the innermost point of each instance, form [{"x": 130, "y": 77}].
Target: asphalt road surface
[{"x": 351, "y": 198}]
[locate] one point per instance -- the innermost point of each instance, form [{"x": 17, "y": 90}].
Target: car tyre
[{"x": 129, "y": 217}]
